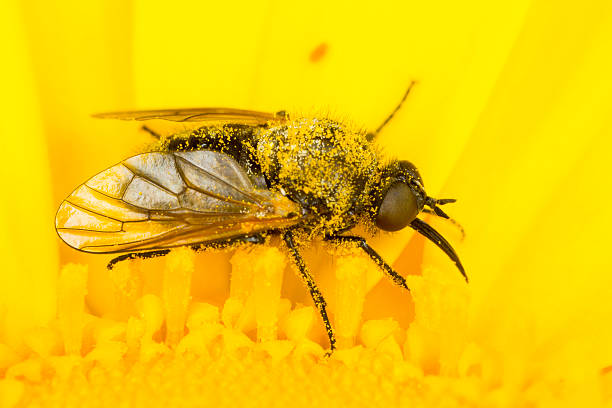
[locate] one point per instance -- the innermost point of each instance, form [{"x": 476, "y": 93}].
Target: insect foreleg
[
  {"x": 452, "y": 221},
  {"x": 316, "y": 295},
  {"x": 137, "y": 255},
  {"x": 361, "y": 242}
]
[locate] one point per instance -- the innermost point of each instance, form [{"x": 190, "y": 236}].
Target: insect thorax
[{"x": 324, "y": 166}]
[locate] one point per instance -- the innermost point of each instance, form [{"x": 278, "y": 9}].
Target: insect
[{"x": 243, "y": 176}]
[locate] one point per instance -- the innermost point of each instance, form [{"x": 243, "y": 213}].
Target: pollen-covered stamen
[
  {"x": 72, "y": 288},
  {"x": 351, "y": 290},
  {"x": 267, "y": 282},
  {"x": 255, "y": 291},
  {"x": 176, "y": 293}
]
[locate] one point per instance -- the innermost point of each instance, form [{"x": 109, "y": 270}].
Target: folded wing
[
  {"x": 198, "y": 115},
  {"x": 167, "y": 199}
]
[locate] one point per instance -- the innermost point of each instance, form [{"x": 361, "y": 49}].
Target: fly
[{"x": 242, "y": 176}]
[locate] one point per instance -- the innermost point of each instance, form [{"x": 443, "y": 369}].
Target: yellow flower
[{"x": 510, "y": 116}]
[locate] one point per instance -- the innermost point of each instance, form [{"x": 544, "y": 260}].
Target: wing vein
[
  {"x": 132, "y": 207},
  {"x": 144, "y": 177},
  {"x": 88, "y": 230},
  {"x": 91, "y": 211},
  {"x": 256, "y": 202}
]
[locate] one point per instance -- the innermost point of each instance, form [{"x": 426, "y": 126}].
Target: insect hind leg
[
  {"x": 137, "y": 255},
  {"x": 316, "y": 295},
  {"x": 226, "y": 243},
  {"x": 361, "y": 243},
  {"x": 255, "y": 239}
]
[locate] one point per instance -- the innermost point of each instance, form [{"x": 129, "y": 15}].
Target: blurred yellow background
[{"x": 511, "y": 116}]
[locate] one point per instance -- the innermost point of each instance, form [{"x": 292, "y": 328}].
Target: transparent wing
[
  {"x": 199, "y": 115},
  {"x": 167, "y": 199}
]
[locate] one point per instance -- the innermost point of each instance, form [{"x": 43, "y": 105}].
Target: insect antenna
[
  {"x": 433, "y": 204},
  {"x": 434, "y": 236}
]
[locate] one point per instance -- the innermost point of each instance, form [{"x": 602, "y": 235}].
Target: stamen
[
  {"x": 177, "y": 292},
  {"x": 351, "y": 275},
  {"x": 255, "y": 291},
  {"x": 72, "y": 288},
  {"x": 267, "y": 281}
]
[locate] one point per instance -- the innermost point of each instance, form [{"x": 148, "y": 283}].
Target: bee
[{"x": 241, "y": 177}]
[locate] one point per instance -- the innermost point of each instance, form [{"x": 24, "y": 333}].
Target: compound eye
[{"x": 398, "y": 208}]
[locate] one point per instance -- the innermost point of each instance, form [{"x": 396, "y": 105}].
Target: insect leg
[
  {"x": 226, "y": 243},
  {"x": 452, "y": 221},
  {"x": 283, "y": 115},
  {"x": 246, "y": 239},
  {"x": 137, "y": 255},
  {"x": 372, "y": 136},
  {"x": 316, "y": 295},
  {"x": 151, "y": 132},
  {"x": 361, "y": 242}
]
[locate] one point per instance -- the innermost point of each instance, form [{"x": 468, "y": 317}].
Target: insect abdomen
[{"x": 233, "y": 139}]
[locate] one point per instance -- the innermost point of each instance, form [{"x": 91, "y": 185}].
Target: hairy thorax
[{"x": 324, "y": 166}]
